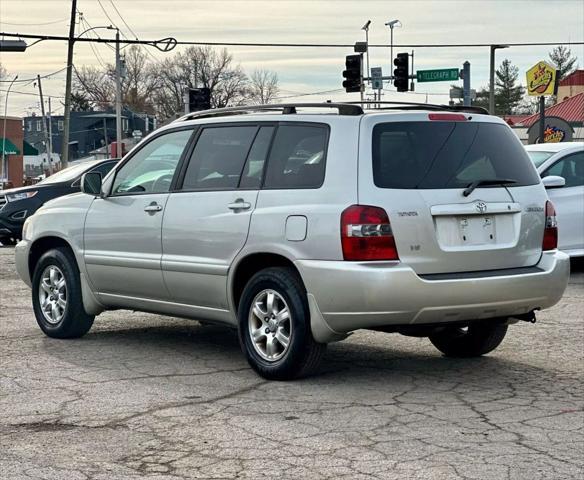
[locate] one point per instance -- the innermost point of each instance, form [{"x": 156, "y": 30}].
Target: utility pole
[
  {"x": 118, "y": 97},
  {"x": 67, "y": 113},
  {"x": 466, "y": 83},
  {"x": 50, "y": 145},
  {"x": 45, "y": 131},
  {"x": 107, "y": 153},
  {"x": 492, "y": 78}
]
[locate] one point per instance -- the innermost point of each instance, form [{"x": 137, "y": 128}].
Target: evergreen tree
[
  {"x": 561, "y": 57},
  {"x": 508, "y": 94}
]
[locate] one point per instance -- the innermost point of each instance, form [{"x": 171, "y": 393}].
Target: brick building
[{"x": 11, "y": 150}]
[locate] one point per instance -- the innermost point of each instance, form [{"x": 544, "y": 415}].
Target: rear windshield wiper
[{"x": 487, "y": 181}]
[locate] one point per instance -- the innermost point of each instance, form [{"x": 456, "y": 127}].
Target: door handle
[
  {"x": 239, "y": 204},
  {"x": 153, "y": 208}
]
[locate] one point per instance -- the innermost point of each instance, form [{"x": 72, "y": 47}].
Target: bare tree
[
  {"x": 97, "y": 85},
  {"x": 159, "y": 87},
  {"x": 263, "y": 87},
  {"x": 200, "y": 67}
]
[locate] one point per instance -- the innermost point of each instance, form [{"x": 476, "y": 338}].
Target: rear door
[
  {"x": 207, "y": 218},
  {"x": 417, "y": 167}
]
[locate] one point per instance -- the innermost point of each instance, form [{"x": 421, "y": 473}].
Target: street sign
[
  {"x": 458, "y": 93},
  {"x": 376, "y": 78},
  {"x": 442, "y": 75}
]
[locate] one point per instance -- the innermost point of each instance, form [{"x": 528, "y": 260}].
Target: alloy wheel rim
[
  {"x": 53, "y": 294},
  {"x": 270, "y": 325}
]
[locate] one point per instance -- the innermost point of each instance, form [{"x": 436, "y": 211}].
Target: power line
[
  {"x": 93, "y": 49},
  {"x": 34, "y": 24},
  {"x": 30, "y": 80},
  {"x": 299, "y": 45},
  {"x": 107, "y": 15},
  {"x": 122, "y": 18},
  {"x": 130, "y": 30}
]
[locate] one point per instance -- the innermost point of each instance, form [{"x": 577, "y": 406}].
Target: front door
[
  {"x": 207, "y": 219},
  {"x": 123, "y": 243}
]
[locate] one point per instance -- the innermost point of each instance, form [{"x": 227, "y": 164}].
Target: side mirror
[
  {"x": 91, "y": 183},
  {"x": 553, "y": 181}
]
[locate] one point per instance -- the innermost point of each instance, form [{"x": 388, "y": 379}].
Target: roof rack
[
  {"x": 424, "y": 106},
  {"x": 285, "y": 108}
]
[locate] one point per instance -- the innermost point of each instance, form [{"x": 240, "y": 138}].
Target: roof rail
[
  {"x": 285, "y": 108},
  {"x": 424, "y": 106}
]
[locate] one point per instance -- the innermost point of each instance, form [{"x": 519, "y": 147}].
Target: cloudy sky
[{"x": 300, "y": 70}]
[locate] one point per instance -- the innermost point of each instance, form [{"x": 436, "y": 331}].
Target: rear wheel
[
  {"x": 274, "y": 326},
  {"x": 56, "y": 296},
  {"x": 472, "y": 341}
]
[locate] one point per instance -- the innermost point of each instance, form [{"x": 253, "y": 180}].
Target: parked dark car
[{"x": 17, "y": 204}]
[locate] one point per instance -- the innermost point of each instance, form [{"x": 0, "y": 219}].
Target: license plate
[{"x": 476, "y": 230}]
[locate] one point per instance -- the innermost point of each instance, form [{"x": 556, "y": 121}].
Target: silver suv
[{"x": 299, "y": 227}]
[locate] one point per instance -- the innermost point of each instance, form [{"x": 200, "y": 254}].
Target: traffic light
[
  {"x": 199, "y": 99},
  {"x": 353, "y": 73},
  {"x": 401, "y": 73}
]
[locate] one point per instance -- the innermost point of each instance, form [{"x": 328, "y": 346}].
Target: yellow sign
[{"x": 541, "y": 79}]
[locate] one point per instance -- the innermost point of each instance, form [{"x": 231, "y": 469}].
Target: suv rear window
[{"x": 436, "y": 155}]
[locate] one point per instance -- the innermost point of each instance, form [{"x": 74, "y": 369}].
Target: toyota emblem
[{"x": 481, "y": 207}]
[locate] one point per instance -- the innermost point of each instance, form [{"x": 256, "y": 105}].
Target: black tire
[
  {"x": 75, "y": 322},
  {"x": 303, "y": 353},
  {"x": 477, "y": 340}
]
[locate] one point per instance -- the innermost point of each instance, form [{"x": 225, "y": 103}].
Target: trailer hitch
[{"x": 526, "y": 317}]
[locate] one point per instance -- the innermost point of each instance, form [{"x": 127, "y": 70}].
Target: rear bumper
[{"x": 350, "y": 295}]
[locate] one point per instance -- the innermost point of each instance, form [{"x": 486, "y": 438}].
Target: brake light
[
  {"x": 448, "y": 117},
  {"x": 550, "y": 233},
  {"x": 366, "y": 234}
]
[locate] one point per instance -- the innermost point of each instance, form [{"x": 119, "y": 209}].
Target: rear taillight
[
  {"x": 550, "y": 233},
  {"x": 366, "y": 234}
]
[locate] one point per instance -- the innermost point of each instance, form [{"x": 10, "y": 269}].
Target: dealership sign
[
  {"x": 556, "y": 130},
  {"x": 542, "y": 79}
]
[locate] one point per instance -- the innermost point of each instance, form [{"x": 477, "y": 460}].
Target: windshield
[
  {"x": 67, "y": 174},
  {"x": 539, "y": 157},
  {"x": 441, "y": 154}
]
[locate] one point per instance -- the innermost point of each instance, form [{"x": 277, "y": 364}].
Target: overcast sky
[{"x": 300, "y": 70}]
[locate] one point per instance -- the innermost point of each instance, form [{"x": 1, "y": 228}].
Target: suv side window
[
  {"x": 219, "y": 157},
  {"x": 297, "y": 158},
  {"x": 152, "y": 168},
  {"x": 571, "y": 168}
]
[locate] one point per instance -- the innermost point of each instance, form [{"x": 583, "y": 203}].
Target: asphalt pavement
[{"x": 146, "y": 396}]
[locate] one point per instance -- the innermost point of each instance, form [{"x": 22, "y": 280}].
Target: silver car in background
[{"x": 297, "y": 225}]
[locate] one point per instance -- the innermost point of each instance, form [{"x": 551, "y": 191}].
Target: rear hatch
[{"x": 419, "y": 167}]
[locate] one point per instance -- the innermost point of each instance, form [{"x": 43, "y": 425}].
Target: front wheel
[
  {"x": 274, "y": 326},
  {"x": 56, "y": 296},
  {"x": 475, "y": 340}
]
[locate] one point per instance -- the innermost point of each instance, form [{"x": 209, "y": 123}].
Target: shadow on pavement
[
  {"x": 180, "y": 347},
  {"x": 577, "y": 265}
]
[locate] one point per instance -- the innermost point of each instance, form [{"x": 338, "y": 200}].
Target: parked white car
[{"x": 561, "y": 165}]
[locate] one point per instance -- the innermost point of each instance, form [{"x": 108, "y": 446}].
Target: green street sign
[{"x": 442, "y": 75}]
